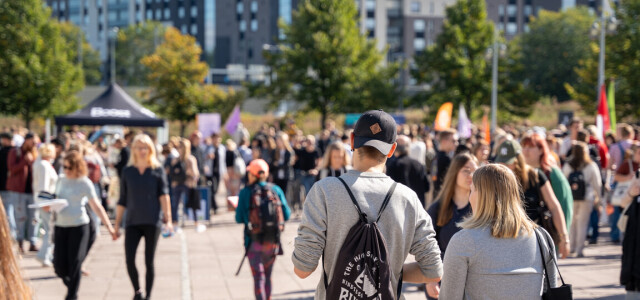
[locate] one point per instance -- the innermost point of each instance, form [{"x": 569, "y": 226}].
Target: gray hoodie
[{"x": 329, "y": 215}]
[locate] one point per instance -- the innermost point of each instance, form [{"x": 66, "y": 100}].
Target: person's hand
[
  {"x": 313, "y": 172},
  {"x": 564, "y": 249},
  {"x": 433, "y": 290},
  {"x": 116, "y": 233},
  {"x": 46, "y": 208},
  {"x": 169, "y": 227}
]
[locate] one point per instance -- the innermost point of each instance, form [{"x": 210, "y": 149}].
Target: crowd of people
[{"x": 491, "y": 192}]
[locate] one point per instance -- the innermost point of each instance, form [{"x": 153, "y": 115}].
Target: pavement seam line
[{"x": 184, "y": 258}]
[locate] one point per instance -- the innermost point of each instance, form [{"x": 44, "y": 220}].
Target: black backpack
[
  {"x": 362, "y": 270},
  {"x": 179, "y": 172},
  {"x": 578, "y": 185},
  {"x": 266, "y": 218}
]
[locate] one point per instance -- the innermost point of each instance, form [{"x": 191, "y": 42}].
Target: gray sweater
[
  {"x": 329, "y": 215},
  {"x": 479, "y": 266}
]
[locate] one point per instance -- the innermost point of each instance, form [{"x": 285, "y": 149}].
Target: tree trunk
[
  {"x": 323, "y": 117},
  {"x": 183, "y": 128},
  {"x": 27, "y": 120}
]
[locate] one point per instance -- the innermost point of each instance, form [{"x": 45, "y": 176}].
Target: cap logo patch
[
  {"x": 503, "y": 151},
  {"x": 375, "y": 128}
]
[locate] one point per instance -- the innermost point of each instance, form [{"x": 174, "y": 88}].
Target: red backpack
[
  {"x": 266, "y": 220},
  {"x": 94, "y": 173}
]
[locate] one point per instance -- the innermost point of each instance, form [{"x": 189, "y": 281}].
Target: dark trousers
[
  {"x": 214, "y": 183},
  {"x": 69, "y": 254},
  {"x": 133, "y": 235},
  {"x": 613, "y": 221},
  {"x": 594, "y": 219},
  {"x": 176, "y": 197},
  {"x": 261, "y": 258}
]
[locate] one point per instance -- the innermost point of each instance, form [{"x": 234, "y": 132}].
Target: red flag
[{"x": 602, "y": 119}]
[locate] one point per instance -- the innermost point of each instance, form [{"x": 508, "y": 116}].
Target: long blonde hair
[
  {"x": 326, "y": 160},
  {"x": 152, "y": 159},
  {"x": 499, "y": 203},
  {"x": 12, "y": 286}
]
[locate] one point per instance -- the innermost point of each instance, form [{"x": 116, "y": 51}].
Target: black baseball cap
[{"x": 377, "y": 129}]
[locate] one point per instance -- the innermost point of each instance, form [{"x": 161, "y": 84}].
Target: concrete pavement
[{"x": 202, "y": 266}]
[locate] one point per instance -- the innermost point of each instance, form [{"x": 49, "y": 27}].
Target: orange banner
[
  {"x": 487, "y": 129},
  {"x": 443, "y": 119}
]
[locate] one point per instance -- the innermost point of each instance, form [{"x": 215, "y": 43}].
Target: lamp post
[
  {"x": 497, "y": 49},
  {"x": 113, "y": 54},
  {"x": 602, "y": 27}
]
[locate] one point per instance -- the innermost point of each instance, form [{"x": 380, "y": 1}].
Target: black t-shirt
[
  {"x": 446, "y": 232},
  {"x": 4, "y": 168},
  {"x": 532, "y": 195},
  {"x": 307, "y": 160},
  {"x": 230, "y": 158},
  {"x": 442, "y": 164},
  {"x": 140, "y": 193}
]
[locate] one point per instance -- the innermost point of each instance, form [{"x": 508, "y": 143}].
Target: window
[
  {"x": 512, "y": 28},
  {"x": 418, "y": 25},
  {"x": 370, "y": 23},
  {"x": 243, "y": 26},
  {"x": 500, "y": 10},
  {"x": 512, "y": 10},
  {"x": 63, "y": 5},
  {"x": 55, "y": 5},
  {"x": 415, "y": 6},
  {"x": 98, "y": 3},
  {"x": 254, "y": 6},
  {"x": 183, "y": 28},
  {"x": 526, "y": 28},
  {"x": 527, "y": 10},
  {"x": 254, "y": 25},
  {"x": 430, "y": 26},
  {"x": 370, "y": 5},
  {"x": 158, "y": 14},
  {"x": 194, "y": 29},
  {"x": 194, "y": 11},
  {"x": 167, "y": 13},
  {"x": 149, "y": 14},
  {"x": 419, "y": 44},
  {"x": 240, "y": 8},
  {"x": 180, "y": 12},
  {"x": 501, "y": 26},
  {"x": 113, "y": 16},
  {"x": 86, "y": 19}
]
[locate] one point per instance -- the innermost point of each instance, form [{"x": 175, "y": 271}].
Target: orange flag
[
  {"x": 443, "y": 119},
  {"x": 487, "y": 128}
]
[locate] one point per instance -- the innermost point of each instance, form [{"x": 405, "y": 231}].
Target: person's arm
[
  {"x": 122, "y": 203},
  {"x": 552, "y": 203},
  {"x": 454, "y": 281},
  {"x": 286, "y": 211},
  {"x": 97, "y": 208},
  {"x": 425, "y": 247},
  {"x": 311, "y": 240},
  {"x": 596, "y": 180},
  {"x": 165, "y": 201},
  {"x": 242, "y": 211},
  {"x": 411, "y": 273}
]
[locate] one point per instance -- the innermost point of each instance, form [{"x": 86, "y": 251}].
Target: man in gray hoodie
[{"x": 329, "y": 213}]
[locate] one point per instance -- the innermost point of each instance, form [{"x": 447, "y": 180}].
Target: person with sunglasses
[{"x": 72, "y": 222}]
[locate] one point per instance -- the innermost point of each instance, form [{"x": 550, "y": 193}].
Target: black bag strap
[
  {"x": 544, "y": 262},
  {"x": 386, "y": 200},
  {"x": 361, "y": 215}
]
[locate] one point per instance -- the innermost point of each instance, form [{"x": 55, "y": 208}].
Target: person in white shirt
[{"x": 44, "y": 180}]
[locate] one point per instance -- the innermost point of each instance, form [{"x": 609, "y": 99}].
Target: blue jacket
[{"x": 242, "y": 211}]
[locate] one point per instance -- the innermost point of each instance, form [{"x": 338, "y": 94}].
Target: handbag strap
[{"x": 544, "y": 263}]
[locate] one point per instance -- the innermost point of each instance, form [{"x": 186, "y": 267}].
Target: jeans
[
  {"x": 613, "y": 221},
  {"x": 176, "y": 197},
  {"x": 632, "y": 295},
  {"x": 9, "y": 207},
  {"x": 26, "y": 218},
  {"x": 45, "y": 254},
  {"x": 307, "y": 182},
  {"x": 261, "y": 258},
  {"x": 593, "y": 225}
]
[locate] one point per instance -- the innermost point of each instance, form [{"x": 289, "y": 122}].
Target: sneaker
[
  {"x": 138, "y": 296},
  {"x": 33, "y": 248},
  {"x": 201, "y": 228},
  {"x": 20, "y": 247}
]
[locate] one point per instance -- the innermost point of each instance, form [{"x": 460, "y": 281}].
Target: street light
[
  {"x": 602, "y": 26},
  {"x": 113, "y": 54},
  {"x": 492, "y": 53}
]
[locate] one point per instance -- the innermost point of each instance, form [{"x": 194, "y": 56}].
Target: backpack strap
[
  {"x": 386, "y": 200},
  {"x": 544, "y": 263},
  {"x": 361, "y": 215}
]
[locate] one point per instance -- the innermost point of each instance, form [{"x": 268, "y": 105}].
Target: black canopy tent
[{"x": 113, "y": 107}]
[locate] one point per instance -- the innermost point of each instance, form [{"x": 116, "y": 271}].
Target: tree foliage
[
  {"x": 177, "y": 74},
  {"x": 622, "y": 64},
  {"x": 326, "y": 64},
  {"x": 134, "y": 43},
  {"x": 555, "y": 44},
  {"x": 90, "y": 57},
  {"x": 36, "y": 64}
]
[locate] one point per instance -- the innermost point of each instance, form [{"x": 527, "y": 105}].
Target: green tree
[
  {"x": 177, "y": 74},
  {"x": 36, "y": 63},
  {"x": 622, "y": 65},
  {"x": 326, "y": 64},
  {"x": 555, "y": 44},
  {"x": 134, "y": 43},
  {"x": 90, "y": 57}
]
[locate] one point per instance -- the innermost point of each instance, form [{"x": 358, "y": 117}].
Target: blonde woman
[
  {"x": 44, "y": 180},
  {"x": 496, "y": 254},
  {"x": 335, "y": 162},
  {"x": 12, "y": 286},
  {"x": 144, "y": 193},
  {"x": 282, "y": 165},
  {"x": 72, "y": 230}
]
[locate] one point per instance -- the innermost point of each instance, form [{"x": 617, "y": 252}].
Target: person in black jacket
[
  {"x": 407, "y": 170},
  {"x": 447, "y": 144},
  {"x": 630, "y": 272}
]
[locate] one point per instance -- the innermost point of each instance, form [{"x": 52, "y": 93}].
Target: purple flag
[
  {"x": 464, "y": 124},
  {"x": 234, "y": 119}
]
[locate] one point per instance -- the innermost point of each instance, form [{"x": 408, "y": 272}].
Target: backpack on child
[
  {"x": 362, "y": 270},
  {"x": 578, "y": 185},
  {"x": 266, "y": 219}
]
